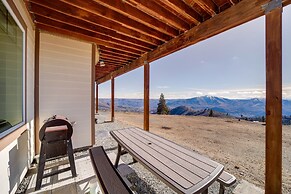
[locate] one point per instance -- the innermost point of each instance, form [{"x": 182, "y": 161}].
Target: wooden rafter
[
  {"x": 207, "y": 5},
  {"x": 152, "y": 8},
  {"x": 184, "y": 10},
  {"x": 110, "y": 55},
  {"x": 138, "y": 15},
  {"x": 248, "y": 9},
  {"x": 39, "y": 10},
  {"x": 95, "y": 19},
  {"x": 108, "y": 39},
  {"x": 97, "y": 9},
  {"x": 66, "y": 30},
  {"x": 108, "y": 59},
  {"x": 117, "y": 52}
]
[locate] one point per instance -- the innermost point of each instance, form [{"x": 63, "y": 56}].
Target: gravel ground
[{"x": 142, "y": 180}]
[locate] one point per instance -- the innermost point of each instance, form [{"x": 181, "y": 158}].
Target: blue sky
[{"x": 231, "y": 65}]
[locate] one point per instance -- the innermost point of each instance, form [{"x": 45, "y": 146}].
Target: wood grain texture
[
  {"x": 274, "y": 102},
  {"x": 97, "y": 9},
  {"x": 183, "y": 170},
  {"x": 207, "y": 5},
  {"x": 94, "y": 19},
  {"x": 183, "y": 10},
  {"x": 153, "y": 8},
  {"x": 68, "y": 31},
  {"x": 109, "y": 179},
  {"x": 45, "y": 14},
  {"x": 138, "y": 15},
  {"x": 146, "y": 96}
]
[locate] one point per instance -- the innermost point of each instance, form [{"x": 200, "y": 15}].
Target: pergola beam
[
  {"x": 274, "y": 101},
  {"x": 238, "y": 14}
]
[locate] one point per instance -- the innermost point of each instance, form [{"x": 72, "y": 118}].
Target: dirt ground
[{"x": 238, "y": 145}]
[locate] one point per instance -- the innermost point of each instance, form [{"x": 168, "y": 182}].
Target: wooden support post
[
  {"x": 146, "y": 125},
  {"x": 274, "y": 101},
  {"x": 97, "y": 97},
  {"x": 112, "y": 99},
  {"x": 36, "y": 93},
  {"x": 93, "y": 73}
]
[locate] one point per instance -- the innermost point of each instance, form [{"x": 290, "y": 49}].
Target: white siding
[
  {"x": 65, "y": 83},
  {"x": 17, "y": 156}
]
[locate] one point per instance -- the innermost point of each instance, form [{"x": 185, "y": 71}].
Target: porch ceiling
[{"x": 130, "y": 32}]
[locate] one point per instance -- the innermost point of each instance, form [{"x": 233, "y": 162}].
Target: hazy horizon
[{"x": 187, "y": 98}]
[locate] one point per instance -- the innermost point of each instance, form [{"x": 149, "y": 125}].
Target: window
[{"x": 11, "y": 73}]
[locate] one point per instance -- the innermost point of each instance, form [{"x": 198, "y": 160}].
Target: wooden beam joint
[{"x": 272, "y": 5}]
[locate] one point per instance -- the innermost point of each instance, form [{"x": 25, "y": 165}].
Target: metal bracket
[
  {"x": 145, "y": 62},
  {"x": 274, "y": 4}
]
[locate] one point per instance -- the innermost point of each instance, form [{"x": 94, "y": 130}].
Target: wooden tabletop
[{"x": 183, "y": 170}]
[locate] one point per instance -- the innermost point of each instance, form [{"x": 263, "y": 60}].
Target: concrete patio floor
[{"x": 64, "y": 182}]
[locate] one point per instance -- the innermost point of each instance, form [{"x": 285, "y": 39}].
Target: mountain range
[{"x": 235, "y": 107}]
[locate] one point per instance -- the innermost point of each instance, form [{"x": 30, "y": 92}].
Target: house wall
[
  {"x": 65, "y": 84},
  {"x": 17, "y": 148}
]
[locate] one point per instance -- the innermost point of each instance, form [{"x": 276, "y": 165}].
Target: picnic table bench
[{"x": 183, "y": 170}]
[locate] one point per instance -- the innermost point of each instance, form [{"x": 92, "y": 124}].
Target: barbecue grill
[{"x": 55, "y": 136}]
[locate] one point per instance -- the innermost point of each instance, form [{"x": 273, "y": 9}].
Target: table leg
[
  {"x": 134, "y": 160},
  {"x": 205, "y": 191},
  {"x": 221, "y": 189},
  {"x": 117, "y": 156}
]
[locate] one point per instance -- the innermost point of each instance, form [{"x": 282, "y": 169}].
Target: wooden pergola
[{"x": 134, "y": 33}]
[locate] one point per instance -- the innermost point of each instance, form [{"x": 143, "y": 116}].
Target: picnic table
[{"x": 185, "y": 171}]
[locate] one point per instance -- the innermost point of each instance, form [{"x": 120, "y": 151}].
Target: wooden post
[
  {"x": 36, "y": 92},
  {"x": 112, "y": 99},
  {"x": 96, "y": 102},
  {"x": 146, "y": 113},
  {"x": 274, "y": 101},
  {"x": 93, "y": 73}
]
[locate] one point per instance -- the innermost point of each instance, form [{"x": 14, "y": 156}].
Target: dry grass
[{"x": 238, "y": 145}]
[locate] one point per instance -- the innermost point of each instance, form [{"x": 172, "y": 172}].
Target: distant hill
[
  {"x": 184, "y": 110},
  {"x": 236, "y": 107}
]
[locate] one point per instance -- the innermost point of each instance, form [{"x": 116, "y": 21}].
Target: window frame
[{"x": 23, "y": 29}]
